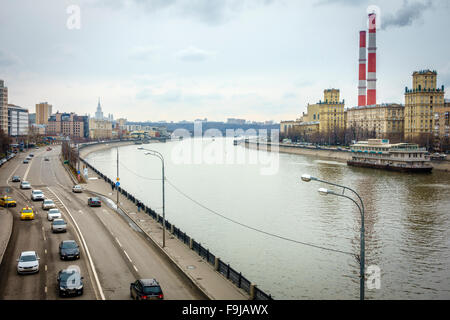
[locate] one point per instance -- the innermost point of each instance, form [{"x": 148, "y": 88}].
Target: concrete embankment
[
  {"x": 6, "y": 224},
  {"x": 440, "y": 165},
  {"x": 102, "y": 146}
]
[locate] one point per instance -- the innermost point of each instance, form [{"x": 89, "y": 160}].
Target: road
[{"x": 113, "y": 254}]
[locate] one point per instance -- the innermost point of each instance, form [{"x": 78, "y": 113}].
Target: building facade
[
  {"x": 65, "y": 124},
  {"x": 421, "y": 102},
  {"x": 3, "y": 107},
  {"x": 100, "y": 129},
  {"x": 383, "y": 121},
  {"x": 43, "y": 112},
  {"x": 18, "y": 122},
  {"x": 442, "y": 127}
]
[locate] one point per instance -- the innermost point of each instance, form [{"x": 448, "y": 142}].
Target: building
[
  {"x": 121, "y": 123},
  {"x": 236, "y": 121},
  {"x": 32, "y": 118},
  {"x": 99, "y": 112},
  {"x": 381, "y": 121},
  {"x": 442, "y": 127},
  {"x": 329, "y": 113},
  {"x": 17, "y": 121},
  {"x": 3, "y": 107},
  {"x": 100, "y": 129},
  {"x": 43, "y": 112},
  {"x": 65, "y": 124},
  {"x": 285, "y": 126},
  {"x": 421, "y": 103}
]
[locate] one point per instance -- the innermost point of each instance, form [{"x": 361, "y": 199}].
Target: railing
[{"x": 235, "y": 277}]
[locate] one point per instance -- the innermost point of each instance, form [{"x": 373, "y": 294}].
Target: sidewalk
[
  {"x": 6, "y": 225},
  {"x": 202, "y": 274}
]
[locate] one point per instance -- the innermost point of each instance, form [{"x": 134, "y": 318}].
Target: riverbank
[
  {"x": 440, "y": 165},
  {"x": 84, "y": 151}
]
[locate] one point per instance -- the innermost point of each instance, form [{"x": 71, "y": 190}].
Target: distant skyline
[{"x": 179, "y": 60}]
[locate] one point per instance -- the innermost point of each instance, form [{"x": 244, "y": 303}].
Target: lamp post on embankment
[{"x": 324, "y": 191}]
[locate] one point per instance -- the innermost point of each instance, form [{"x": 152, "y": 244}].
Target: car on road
[
  {"x": 26, "y": 161},
  {"x": 68, "y": 249},
  {"x": 2, "y": 161},
  {"x": 31, "y": 155},
  {"x": 59, "y": 225},
  {"x": 28, "y": 262},
  {"x": 146, "y": 289},
  {"x": 48, "y": 149},
  {"x": 46, "y": 159},
  {"x": 15, "y": 179},
  {"x": 48, "y": 204},
  {"x": 7, "y": 201},
  {"x": 53, "y": 214},
  {"x": 69, "y": 282},
  {"x": 37, "y": 195},
  {"x": 25, "y": 185},
  {"x": 94, "y": 202},
  {"x": 27, "y": 213},
  {"x": 77, "y": 189}
]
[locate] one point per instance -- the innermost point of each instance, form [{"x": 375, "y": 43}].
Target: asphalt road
[{"x": 112, "y": 253}]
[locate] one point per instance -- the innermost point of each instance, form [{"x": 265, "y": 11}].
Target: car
[
  {"x": 48, "y": 204},
  {"x": 37, "y": 195},
  {"x": 37, "y": 147},
  {"x": 48, "y": 148},
  {"x": 77, "y": 189},
  {"x": 59, "y": 225},
  {"x": 53, "y": 214},
  {"x": 3, "y": 160},
  {"x": 7, "y": 201},
  {"x": 46, "y": 159},
  {"x": 68, "y": 249},
  {"x": 146, "y": 289},
  {"x": 27, "y": 213},
  {"x": 31, "y": 155},
  {"x": 26, "y": 161},
  {"x": 28, "y": 262},
  {"x": 69, "y": 282},
  {"x": 94, "y": 202},
  {"x": 25, "y": 185},
  {"x": 15, "y": 179}
]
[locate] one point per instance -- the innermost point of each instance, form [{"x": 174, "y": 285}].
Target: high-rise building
[
  {"x": 66, "y": 124},
  {"x": 17, "y": 121},
  {"x": 421, "y": 102},
  {"x": 43, "y": 112},
  {"x": 3, "y": 107},
  {"x": 99, "y": 112}
]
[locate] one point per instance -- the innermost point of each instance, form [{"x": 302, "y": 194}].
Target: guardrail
[{"x": 225, "y": 269}]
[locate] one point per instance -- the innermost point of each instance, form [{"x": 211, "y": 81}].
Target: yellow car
[
  {"x": 26, "y": 214},
  {"x": 7, "y": 201}
]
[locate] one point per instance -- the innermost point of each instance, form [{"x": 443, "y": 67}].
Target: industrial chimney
[
  {"x": 372, "y": 62},
  {"x": 362, "y": 69}
]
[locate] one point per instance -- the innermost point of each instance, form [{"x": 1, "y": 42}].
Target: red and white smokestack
[
  {"x": 372, "y": 61},
  {"x": 362, "y": 69}
]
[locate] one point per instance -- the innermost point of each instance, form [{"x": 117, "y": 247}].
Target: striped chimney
[
  {"x": 372, "y": 62},
  {"x": 362, "y": 69}
]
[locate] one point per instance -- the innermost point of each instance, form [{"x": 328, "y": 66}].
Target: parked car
[
  {"x": 53, "y": 214},
  {"x": 94, "y": 202},
  {"x": 59, "y": 225},
  {"x": 15, "y": 179},
  {"x": 7, "y": 201},
  {"x": 3, "y": 160},
  {"x": 146, "y": 289},
  {"x": 26, "y": 213},
  {"x": 37, "y": 195},
  {"x": 69, "y": 282},
  {"x": 77, "y": 189},
  {"x": 68, "y": 249},
  {"x": 28, "y": 262},
  {"x": 48, "y": 204},
  {"x": 25, "y": 185}
]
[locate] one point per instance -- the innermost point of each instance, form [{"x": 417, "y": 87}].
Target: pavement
[
  {"x": 6, "y": 224},
  {"x": 213, "y": 284}
]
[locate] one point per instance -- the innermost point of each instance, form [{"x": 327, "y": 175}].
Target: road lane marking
[
  {"x": 28, "y": 170},
  {"x": 85, "y": 246},
  {"x": 127, "y": 256},
  {"x": 45, "y": 267},
  {"x": 45, "y": 289},
  {"x": 119, "y": 242},
  {"x": 43, "y": 233},
  {"x": 12, "y": 173},
  {"x": 45, "y": 251},
  {"x": 135, "y": 268}
]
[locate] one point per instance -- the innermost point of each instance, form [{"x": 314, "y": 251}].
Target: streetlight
[
  {"x": 324, "y": 192},
  {"x": 160, "y": 156}
]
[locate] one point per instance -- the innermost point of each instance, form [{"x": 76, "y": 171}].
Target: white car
[
  {"x": 25, "y": 185},
  {"x": 59, "y": 225},
  {"x": 37, "y": 195},
  {"x": 48, "y": 204},
  {"x": 53, "y": 214},
  {"x": 28, "y": 262},
  {"x": 77, "y": 189}
]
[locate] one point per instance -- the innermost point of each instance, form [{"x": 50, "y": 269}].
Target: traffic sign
[
  {"x": 117, "y": 183},
  {"x": 117, "y": 179}
]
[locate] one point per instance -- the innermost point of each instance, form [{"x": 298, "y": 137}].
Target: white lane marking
[
  {"x": 135, "y": 268},
  {"x": 45, "y": 267},
  {"x": 127, "y": 256},
  {"x": 28, "y": 170},
  {"x": 85, "y": 246},
  {"x": 45, "y": 251},
  {"x": 43, "y": 233},
  {"x": 119, "y": 242},
  {"x": 12, "y": 173},
  {"x": 45, "y": 289}
]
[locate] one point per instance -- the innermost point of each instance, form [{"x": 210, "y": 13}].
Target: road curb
[{"x": 5, "y": 241}]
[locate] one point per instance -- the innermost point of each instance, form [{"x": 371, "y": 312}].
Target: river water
[{"x": 216, "y": 191}]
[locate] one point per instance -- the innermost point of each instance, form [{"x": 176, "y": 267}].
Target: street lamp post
[
  {"x": 324, "y": 191},
  {"x": 160, "y": 156}
]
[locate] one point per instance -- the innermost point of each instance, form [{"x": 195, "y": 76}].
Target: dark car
[
  {"x": 31, "y": 155},
  {"x": 68, "y": 249},
  {"x": 25, "y": 161},
  {"x": 15, "y": 179},
  {"x": 69, "y": 283},
  {"x": 94, "y": 202},
  {"x": 146, "y": 289}
]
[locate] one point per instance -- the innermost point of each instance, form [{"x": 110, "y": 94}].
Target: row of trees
[{"x": 5, "y": 142}]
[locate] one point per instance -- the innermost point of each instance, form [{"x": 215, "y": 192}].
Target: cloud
[
  {"x": 193, "y": 54},
  {"x": 406, "y": 15},
  {"x": 343, "y": 2}
]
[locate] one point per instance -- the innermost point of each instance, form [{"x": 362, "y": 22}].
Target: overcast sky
[{"x": 187, "y": 59}]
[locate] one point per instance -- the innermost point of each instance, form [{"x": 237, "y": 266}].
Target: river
[{"x": 232, "y": 188}]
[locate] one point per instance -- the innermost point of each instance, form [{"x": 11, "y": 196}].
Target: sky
[{"x": 172, "y": 60}]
